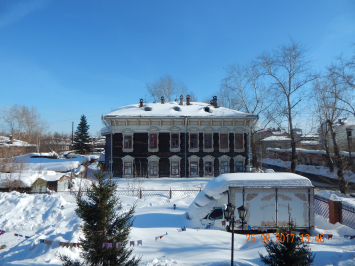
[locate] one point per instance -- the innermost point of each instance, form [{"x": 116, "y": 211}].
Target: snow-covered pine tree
[
  {"x": 102, "y": 224},
  {"x": 81, "y": 137},
  {"x": 289, "y": 253}
]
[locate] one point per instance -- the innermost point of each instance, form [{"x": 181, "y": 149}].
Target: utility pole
[{"x": 72, "y": 133}]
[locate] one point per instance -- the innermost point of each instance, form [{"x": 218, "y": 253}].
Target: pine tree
[
  {"x": 81, "y": 137},
  {"x": 289, "y": 253},
  {"x": 101, "y": 225}
]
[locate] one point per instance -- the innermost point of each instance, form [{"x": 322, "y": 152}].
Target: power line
[{"x": 71, "y": 119}]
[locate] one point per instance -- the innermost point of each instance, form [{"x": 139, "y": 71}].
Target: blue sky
[{"x": 69, "y": 58}]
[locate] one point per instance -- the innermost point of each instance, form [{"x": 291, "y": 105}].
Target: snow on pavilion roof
[
  {"x": 206, "y": 200},
  {"x": 173, "y": 109},
  {"x": 221, "y": 183}
]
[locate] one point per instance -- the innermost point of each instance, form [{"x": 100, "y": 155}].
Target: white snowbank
[
  {"x": 346, "y": 199},
  {"x": 40, "y": 217}
]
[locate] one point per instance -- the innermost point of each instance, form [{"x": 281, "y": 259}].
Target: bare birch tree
[
  {"x": 342, "y": 71},
  {"x": 243, "y": 91},
  {"x": 23, "y": 123},
  {"x": 288, "y": 73},
  {"x": 329, "y": 108},
  {"x": 166, "y": 86}
]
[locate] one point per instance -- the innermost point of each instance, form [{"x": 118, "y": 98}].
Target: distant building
[
  {"x": 177, "y": 139},
  {"x": 344, "y": 130}
]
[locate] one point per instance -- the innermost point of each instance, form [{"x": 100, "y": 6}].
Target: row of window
[
  {"x": 153, "y": 168},
  {"x": 193, "y": 142}
]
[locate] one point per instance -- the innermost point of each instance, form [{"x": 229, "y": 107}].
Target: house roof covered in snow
[
  {"x": 173, "y": 109},
  {"x": 27, "y": 178},
  {"x": 276, "y": 138},
  {"x": 6, "y": 141}
]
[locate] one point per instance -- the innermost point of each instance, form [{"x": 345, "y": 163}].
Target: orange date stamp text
[{"x": 282, "y": 238}]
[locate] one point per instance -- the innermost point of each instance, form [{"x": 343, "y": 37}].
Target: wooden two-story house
[{"x": 176, "y": 139}]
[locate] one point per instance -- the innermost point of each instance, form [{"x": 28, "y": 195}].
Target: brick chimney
[
  {"x": 187, "y": 99},
  {"x": 11, "y": 139},
  {"x": 141, "y": 103},
  {"x": 214, "y": 102},
  {"x": 162, "y": 100},
  {"x": 181, "y": 100}
]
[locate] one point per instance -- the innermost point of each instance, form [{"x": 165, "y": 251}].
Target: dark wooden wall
[{"x": 140, "y": 153}]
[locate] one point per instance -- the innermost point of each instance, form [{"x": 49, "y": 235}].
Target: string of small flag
[
  {"x": 160, "y": 237},
  {"x": 119, "y": 244}
]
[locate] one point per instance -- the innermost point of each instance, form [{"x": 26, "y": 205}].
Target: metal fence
[
  {"x": 139, "y": 193},
  {"x": 321, "y": 207},
  {"x": 348, "y": 214}
]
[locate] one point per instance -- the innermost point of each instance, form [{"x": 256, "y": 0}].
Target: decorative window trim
[
  {"x": 177, "y": 159},
  {"x": 220, "y": 149},
  {"x": 198, "y": 142},
  {"x": 205, "y": 159},
  {"x": 224, "y": 158},
  {"x": 208, "y": 130},
  {"x": 178, "y": 148},
  {"x": 127, "y": 132},
  {"x": 130, "y": 159},
  {"x": 153, "y": 158},
  {"x": 239, "y": 158},
  {"x": 239, "y": 150},
  {"x": 153, "y": 149},
  {"x": 191, "y": 159}
]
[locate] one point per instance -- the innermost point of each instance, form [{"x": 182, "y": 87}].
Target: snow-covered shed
[
  {"x": 271, "y": 198},
  {"x": 34, "y": 181}
]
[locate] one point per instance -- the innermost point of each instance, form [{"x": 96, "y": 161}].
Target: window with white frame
[
  {"x": 208, "y": 142},
  {"x": 224, "y": 141},
  {"x": 208, "y": 163},
  {"x": 153, "y": 166},
  {"x": 127, "y": 142},
  {"x": 153, "y": 142},
  {"x": 153, "y": 169},
  {"x": 239, "y": 167},
  {"x": 175, "y": 141},
  {"x": 194, "y": 165},
  {"x": 224, "y": 164},
  {"x": 224, "y": 167},
  {"x": 208, "y": 168},
  {"x": 239, "y": 142},
  {"x": 194, "y": 168},
  {"x": 193, "y": 140},
  {"x": 175, "y": 166},
  {"x": 239, "y": 162},
  {"x": 127, "y": 167}
]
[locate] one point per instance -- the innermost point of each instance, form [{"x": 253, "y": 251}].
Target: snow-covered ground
[
  {"x": 311, "y": 169},
  {"x": 40, "y": 217}
]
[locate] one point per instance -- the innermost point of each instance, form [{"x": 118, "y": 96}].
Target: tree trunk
[
  {"x": 338, "y": 160},
  {"x": 328, "y": 159},
  {"x": 253, "y": 150},
  {"x": 293, "y": 142}
]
